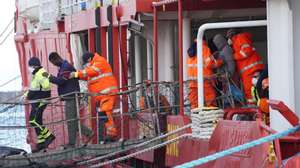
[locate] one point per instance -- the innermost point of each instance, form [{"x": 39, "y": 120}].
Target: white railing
[
  {"x": 29, "y": 9},
  {"x": 43, "y": 13},
  {"x": 69, "y": 7}
]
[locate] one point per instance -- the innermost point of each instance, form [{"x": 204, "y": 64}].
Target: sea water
[{"x": 13, "y": 137}]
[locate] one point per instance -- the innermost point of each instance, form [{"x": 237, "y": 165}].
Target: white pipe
[
  {"x": 199, "y": 46},
  {"x": 186, "y": 43},
  {"x": 149, "y": 60}
]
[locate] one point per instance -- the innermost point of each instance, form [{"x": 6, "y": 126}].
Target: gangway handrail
[{"x": 220, "y": 25}]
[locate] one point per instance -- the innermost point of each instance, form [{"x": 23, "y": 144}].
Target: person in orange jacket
[
  {"x": 248, "y": 61},
  {"x": 209, "y": 64},
  {"x": 98, "y": 73}
]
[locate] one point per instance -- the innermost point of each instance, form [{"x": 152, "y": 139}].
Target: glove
[
  {"x": 46, "y": 75},
  {"x": 72, "y": 75}
]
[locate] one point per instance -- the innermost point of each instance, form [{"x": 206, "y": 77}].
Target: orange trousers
[
  {"x": 209, "y": 95},
  {"x": 247, "y": 84},
  {"x": 106, "y": 106}
]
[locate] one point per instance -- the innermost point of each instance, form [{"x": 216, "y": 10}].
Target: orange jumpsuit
[
  {"x": 247, "y": 60},
  {"x": 101, "y": 80},
  {"x": 209, "y": 64}
]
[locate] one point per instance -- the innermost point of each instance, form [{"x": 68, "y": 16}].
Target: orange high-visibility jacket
[
  {"x": 99, "y": 76},
  {"x": 209, "y": 64},
  {"x": 247, "y": 59}
]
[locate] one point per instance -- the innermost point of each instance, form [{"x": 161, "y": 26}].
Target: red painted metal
[
  {"x": 233, "y": 133},
  {"x": 103, "y": 42},
  {"x": 91, "y": 40},
  {"x": 116, "y": 66},
  {"x": 290, "y": 145},
  {"x": 285, "y": 111},
  {"x": 188, "y": 149},
  {"x": 229, "y": 113},
  {"x": 20, "y": 37},
  {"x": 68, "y": 47},
  {"x": 123, "y": 52},
  {"x": 180, "y": 48},
  {"x": 293, "y": 162},
  {"x": 155, "y": 46},
  {"x": 165, "y": 2},
  {"x": 200, "y": 5},
  {"x": 79, "y": 22}
]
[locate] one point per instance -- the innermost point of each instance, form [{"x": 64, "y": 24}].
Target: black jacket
[{"x": 65, "y": 85}]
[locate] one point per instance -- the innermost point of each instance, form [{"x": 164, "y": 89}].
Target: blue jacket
[{"x": 65, "y": 85}]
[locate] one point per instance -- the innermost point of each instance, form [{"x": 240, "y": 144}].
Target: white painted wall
[
  {"x": 165, "y": 48},
  {"x": 280, "y": 49},
  {"x": 186, "y": 43},
  {"x": 149, "y": 61},
  {"x": 295, "y": 6},
  {"x": 137, "y": 59}
]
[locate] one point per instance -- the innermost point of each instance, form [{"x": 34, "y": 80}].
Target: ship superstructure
[{"x": 148, "y": 40}]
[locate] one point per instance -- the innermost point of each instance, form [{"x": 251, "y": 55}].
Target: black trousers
[{"x": 36, "y": 117}]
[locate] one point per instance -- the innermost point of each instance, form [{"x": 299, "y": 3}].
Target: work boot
[
  {"x": 39, "y": 147},
  {"x": 49, "y": 140}
]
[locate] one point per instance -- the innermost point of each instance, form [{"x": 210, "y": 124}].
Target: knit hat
[
  {"x": 34, "y": 61},
  {"x": 192, "y": 51}
]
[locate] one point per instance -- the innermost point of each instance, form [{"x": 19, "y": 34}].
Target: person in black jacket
[{"x": 66, "y": 87}]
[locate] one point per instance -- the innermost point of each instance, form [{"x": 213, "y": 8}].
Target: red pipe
[
  {"x": 155, "y": 46},
  {"x": 91, "y": 40},
  {"x": 165, "y": 2},
  {"x": 103, "y": 42},
  {"x": 180, "y": 46}
]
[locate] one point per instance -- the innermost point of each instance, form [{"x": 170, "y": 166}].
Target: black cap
[
  {"x": 86, "y": 56},
  {"x": 192, "y": 51},
  {"x": 34, "y": 61}
]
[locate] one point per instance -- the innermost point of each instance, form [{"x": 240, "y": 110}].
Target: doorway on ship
[
  {"x": 79, "y": 45},
  {"x": 234, "y": 94}
]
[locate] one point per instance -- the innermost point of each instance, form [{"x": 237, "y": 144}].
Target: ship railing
[
  {"x": 149, "y": 116},
  {"x": 69, "y": 7},
  {"x": 150, "y": 125}
]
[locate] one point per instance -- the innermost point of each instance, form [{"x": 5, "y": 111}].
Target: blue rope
[{"x": 230, "y": 151}]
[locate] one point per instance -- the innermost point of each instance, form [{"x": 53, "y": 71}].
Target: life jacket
[
  {"x": 209, "y": 64},
  {"x": 39, "y": 86},
  {"x": 247, "y": 59},
  {"x": 99, "y": 76}
]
